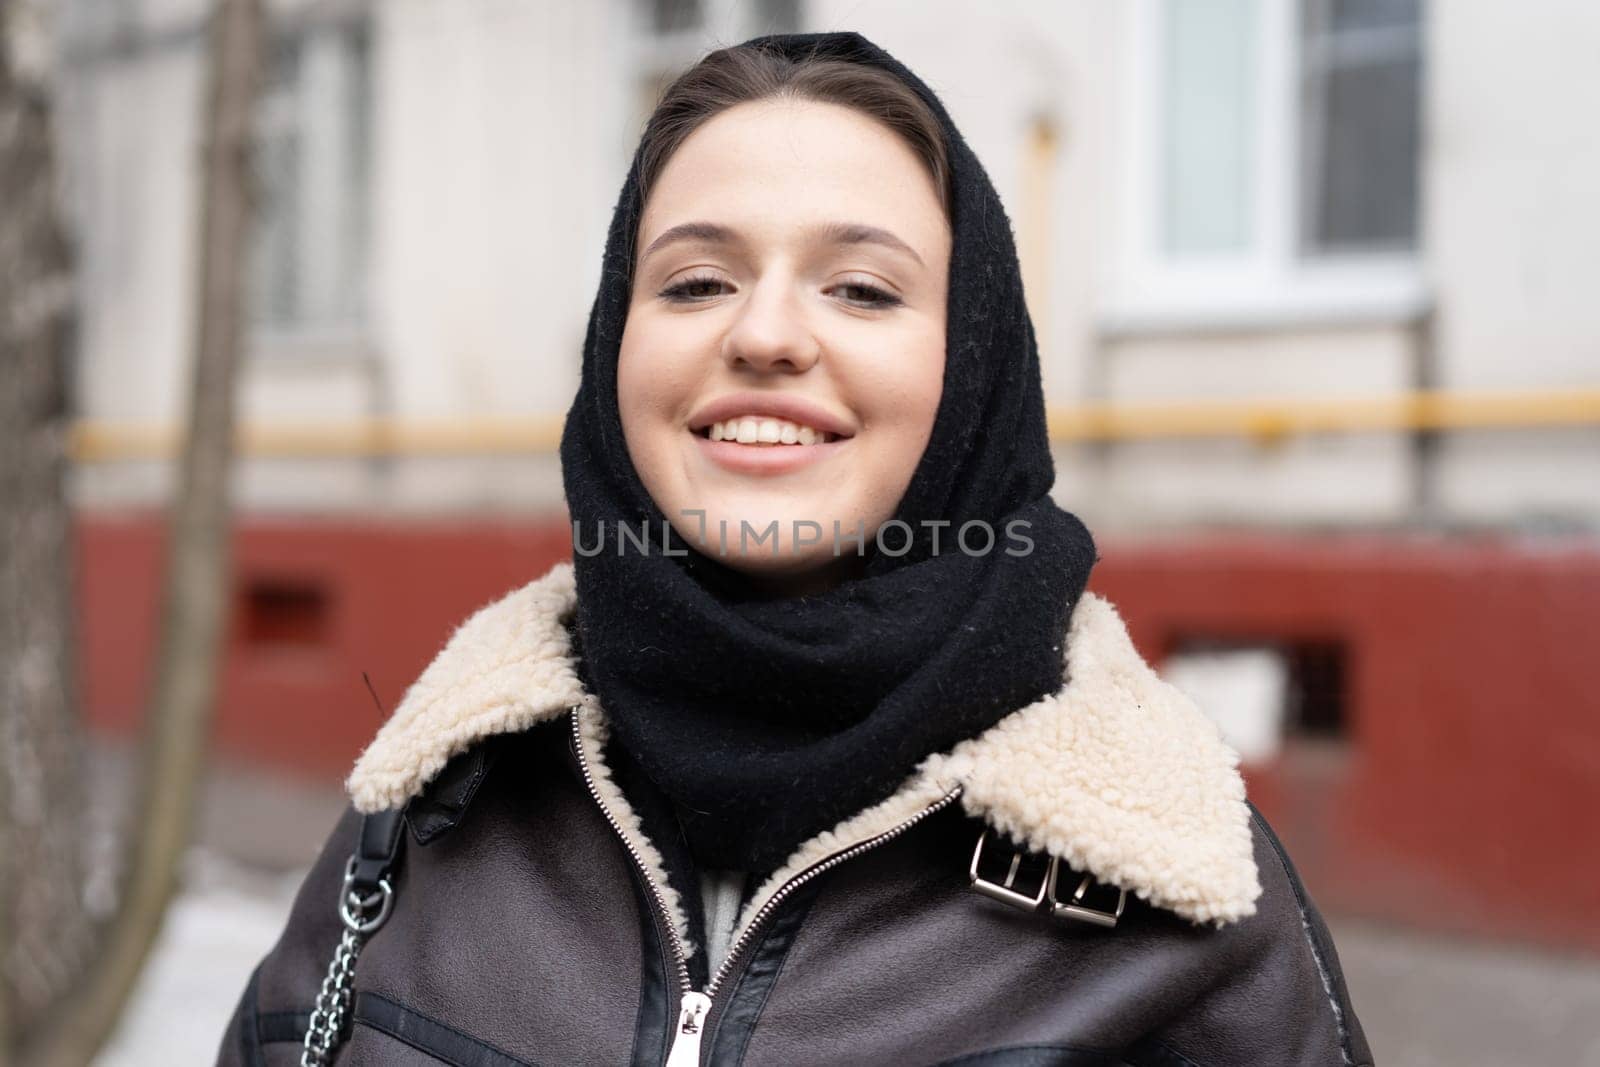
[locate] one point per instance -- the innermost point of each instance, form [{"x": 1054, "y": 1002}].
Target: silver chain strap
[{"x": 361, "y": 915}]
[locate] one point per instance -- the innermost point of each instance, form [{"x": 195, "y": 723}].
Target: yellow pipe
[
  {"x": 1273, "y": 419},
  {"x": 103, "y": 442},
  {"x": 95, "y": 441}
]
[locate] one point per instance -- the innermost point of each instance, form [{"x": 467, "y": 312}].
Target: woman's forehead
[{"x": 784, "y": 170}]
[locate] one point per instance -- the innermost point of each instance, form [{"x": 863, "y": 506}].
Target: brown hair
[{"x": 745, "y": 73}]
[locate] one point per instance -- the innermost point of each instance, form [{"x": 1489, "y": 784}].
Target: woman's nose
[{"x": 770, "y": 332}]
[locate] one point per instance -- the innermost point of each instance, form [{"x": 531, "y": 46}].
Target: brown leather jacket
[{"x": 1084, "y": 883}]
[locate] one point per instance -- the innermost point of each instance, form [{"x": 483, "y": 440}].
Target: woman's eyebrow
[
  {"x": 690, "y": 231},
  {"x": 856, "y": 233},
  {"x": 838, "y": 233}
]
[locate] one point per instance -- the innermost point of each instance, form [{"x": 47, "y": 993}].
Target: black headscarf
[{"x": 763, "y": 720}]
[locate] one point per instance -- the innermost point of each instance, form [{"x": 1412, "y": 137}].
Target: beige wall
[
  {"x": 1514, "y": 236},
  {"x": 501, "y": 130}
]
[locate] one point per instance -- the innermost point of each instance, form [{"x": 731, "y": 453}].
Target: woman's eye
[
  {"x": 692, "y": 289},
  {"x": 864, "y": 295}
]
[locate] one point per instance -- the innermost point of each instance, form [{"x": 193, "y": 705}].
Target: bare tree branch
[
  {"x": 45, "y": 935},
  {"x": 195, "y": 603}
]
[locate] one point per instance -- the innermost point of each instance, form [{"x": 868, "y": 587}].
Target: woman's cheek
[
  {"x": 678, "y": 351},
  {"x": 650, "y": 371},
  {"x": 907, "y": 380}
]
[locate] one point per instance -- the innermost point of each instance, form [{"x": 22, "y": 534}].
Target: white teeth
[{"x": 754, "y": 429}]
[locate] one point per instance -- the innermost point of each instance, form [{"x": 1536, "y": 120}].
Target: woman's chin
[{"x": 775, "y": 532}]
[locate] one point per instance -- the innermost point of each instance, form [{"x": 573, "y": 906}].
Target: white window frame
[{"x": 1270, "y": 283}]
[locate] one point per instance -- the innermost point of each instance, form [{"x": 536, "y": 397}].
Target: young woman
[{"x": 818, "y": 752}]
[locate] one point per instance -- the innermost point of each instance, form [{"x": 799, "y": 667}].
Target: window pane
[
  {"x": 313, "y": 177},
  {"x": 1369, "y": 177},
  {"x": 776, "y": 16},
  {"x": 1372, "y": 14},
  {"x": 674, "y": 16},
  {"x": 276, "y": 164},
  {"x": 1361, "y": 121},
  {"x": 1209, "y": 124}
]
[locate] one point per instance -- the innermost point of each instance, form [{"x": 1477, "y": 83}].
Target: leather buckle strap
[{"x": 1006, "y": 891}]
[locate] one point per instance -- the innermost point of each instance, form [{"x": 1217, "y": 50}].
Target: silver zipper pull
[{"x": 686, "y": 1043}]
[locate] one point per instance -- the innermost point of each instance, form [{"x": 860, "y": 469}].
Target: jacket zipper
[{"x": 695, "y": 1006}]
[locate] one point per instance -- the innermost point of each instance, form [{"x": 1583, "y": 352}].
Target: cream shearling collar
[{"x": 1117, "y": 773}]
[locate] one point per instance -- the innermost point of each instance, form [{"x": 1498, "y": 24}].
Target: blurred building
[{"x": 1312, "y": 281}]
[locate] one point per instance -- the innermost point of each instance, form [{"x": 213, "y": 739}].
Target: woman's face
[{"x": 783, "y": 355}]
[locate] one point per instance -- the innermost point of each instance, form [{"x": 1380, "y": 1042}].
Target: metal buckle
[
  {"x": 1002, "y": 891},
  {"x": 1073, "y": 908},
  {"x": 355, "y": 908},
  {"x": 1077, "y": 909}
]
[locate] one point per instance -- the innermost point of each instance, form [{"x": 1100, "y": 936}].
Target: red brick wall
[
  {"x": 1467, "y": 793},
  {"x": 390, "y": 597}
]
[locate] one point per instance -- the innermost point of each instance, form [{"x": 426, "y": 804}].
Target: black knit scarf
[{"x": 766, "y": 720}]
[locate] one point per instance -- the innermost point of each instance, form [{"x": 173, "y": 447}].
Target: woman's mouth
[
  {"x": 760, "y": 430},
  {"x": 765, "y": 445}
]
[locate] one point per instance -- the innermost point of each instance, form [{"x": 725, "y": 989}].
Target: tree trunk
[
  {"x": 196, "y": 582},
  {"x": 45, "y": 934}
]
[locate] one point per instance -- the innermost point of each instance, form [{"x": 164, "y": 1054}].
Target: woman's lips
[{"x": 765, "y": 459}]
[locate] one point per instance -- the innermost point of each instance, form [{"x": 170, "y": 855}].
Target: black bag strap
[
  {"x": 365, "y": 901},
  {"x": 377, "y": 852}
]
